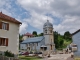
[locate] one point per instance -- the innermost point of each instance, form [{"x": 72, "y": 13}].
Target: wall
[
  {"x": 25, "y": 37},
  {"x": 76, "y": 40},
  {"x": 23, "y": 46},
  {"x": 13, "y": 36}
]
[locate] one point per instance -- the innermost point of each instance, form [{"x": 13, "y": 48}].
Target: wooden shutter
[
  {"x": 7, "y": 26},
  {"x": 0, "y": 25},
  {"x": 6, "y": 41}
]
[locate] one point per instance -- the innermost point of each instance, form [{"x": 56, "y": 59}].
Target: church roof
[
  {"x": 47, "y": 24},
  {"x": 33, "y": 40}
]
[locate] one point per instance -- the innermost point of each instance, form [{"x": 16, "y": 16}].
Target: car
[
  {"x": 20, "y": 53},
  {"x": 38, "y": 53},
  {"x": 25, "y": 53}
]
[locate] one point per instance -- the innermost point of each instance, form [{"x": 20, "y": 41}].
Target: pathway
[{"x": 59, "y": 57}]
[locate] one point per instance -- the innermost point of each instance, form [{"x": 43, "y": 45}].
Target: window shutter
[
  {"x": 7, "y": 26},
  {"x": 6, "y": 41},
  {"x": 0, "y": 25}
]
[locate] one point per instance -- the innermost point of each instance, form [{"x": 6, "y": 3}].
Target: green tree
[
  {"x": 41, "y": 34},
  {"x": 56, "y": 39},
  {"x": 20, "y": 38},
  {"x": 61, "y": 41},
  {"x": 34, "y": 33},
  {"x": 67, "y": 35}
]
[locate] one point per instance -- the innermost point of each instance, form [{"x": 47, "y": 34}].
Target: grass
[
  {"x": 29, "y": 58},
  {"x": 77, "y": 58}
]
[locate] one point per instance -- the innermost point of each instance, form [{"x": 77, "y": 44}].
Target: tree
[
  {"x": 61, "y": 41},
  {"x": 20, "y": 38},
  {"x": 56, "y": 39},
  {"x": 41, "y": 34},
  {"x": 34, "y": 33},
  {"x": 67, "y": 35}
]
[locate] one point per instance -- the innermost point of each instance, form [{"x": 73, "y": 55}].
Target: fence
[{"x": 7, "y": 58}]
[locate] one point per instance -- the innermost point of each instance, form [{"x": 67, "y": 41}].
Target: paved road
[
  {"x": 70, "y": 58},
  {"x": 59, "y": 57}
]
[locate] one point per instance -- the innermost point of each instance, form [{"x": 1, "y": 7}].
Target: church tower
[{"x": 49, "y": 36}]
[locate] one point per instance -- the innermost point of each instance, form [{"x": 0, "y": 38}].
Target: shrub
[{"x": 8, "y": 54}]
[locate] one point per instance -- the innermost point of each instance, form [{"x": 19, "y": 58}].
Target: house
[
  {"x": 27, "y": 35},
  {"x": 9, "y": 33},
  {"x": 42, "y": 43},
  {"x": 76, "y": 41}
]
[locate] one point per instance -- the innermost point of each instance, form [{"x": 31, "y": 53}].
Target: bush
[{"x": 8, "y": 54}]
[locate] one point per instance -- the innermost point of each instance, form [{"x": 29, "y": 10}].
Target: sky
[{"x": 63, "y": 14}]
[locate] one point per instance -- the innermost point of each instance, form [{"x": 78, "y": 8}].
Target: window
[
  {"x": 74, "y": 45},
  {"x": 45, "y": 31},
  {"x": 50, "y": 31},
  {"x": 4, "y": 26},
  {"x": 3, "y": 41}
]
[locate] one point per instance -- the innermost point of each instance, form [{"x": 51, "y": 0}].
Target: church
[{"x": 42, "y": 43}]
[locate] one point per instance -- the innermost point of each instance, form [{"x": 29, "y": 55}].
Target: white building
[
  {"x": 9, "y": 33},
  {"x": 76, "y": 40},
  {"x": 27, "y": 35},
  {"x": 41, "y": 43}
]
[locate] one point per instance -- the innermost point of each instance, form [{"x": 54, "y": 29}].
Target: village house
[
  {"x": 42, "y": 43},
  {"x": 9, "y": 33},
  {"x": 27, "y": 35},
  {"x": 76, "y": 42}
]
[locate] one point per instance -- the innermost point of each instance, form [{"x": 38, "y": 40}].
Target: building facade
[
  {"x": 45, "y": 42},
  {"x": 9, "y": 33},
  {"x": 76, "y": 40},
  {"x": 27, "y": 35}
]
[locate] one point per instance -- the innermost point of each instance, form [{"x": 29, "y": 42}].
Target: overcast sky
[{"x": 63, "y": 14}]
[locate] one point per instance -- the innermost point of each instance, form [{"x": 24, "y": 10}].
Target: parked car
[
  {"x": 20, "y": 53},
  {"x": 37, "y": 52},
  {"x": 25, "y": 53}
]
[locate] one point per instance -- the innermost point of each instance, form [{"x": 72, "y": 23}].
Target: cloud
[
  {"x": 7, "y": 7},
  {"x": 37, "y": 20},
  {"x": 71, "y": 23},
  {"x": 66, "y": 10},
  {"x": 23, "y": 28}
]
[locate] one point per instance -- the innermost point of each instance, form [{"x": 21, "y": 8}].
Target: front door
[{"x": 51, "y": 47}]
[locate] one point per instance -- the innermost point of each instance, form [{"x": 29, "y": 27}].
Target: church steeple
[
  {"x": 47, "y": 28},
  {"x": 48, "y": 34}
]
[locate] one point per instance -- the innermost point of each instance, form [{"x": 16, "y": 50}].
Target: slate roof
[
  {"x": 8, "y": 18},
  {"x": 47, "y": 24},
  {"x": 33, "y": 40},
  {"x": 75, "y": 32}
]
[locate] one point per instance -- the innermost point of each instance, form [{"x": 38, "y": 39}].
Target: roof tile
[{"x": 8, "y": 18}]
